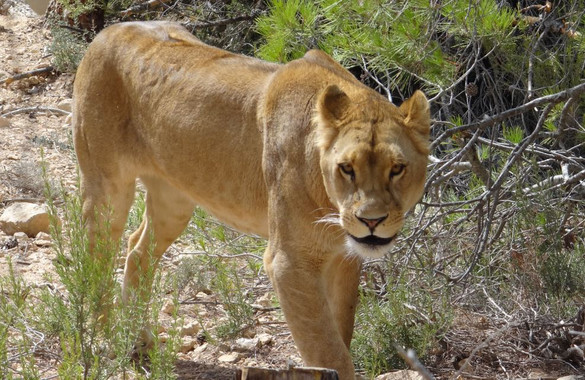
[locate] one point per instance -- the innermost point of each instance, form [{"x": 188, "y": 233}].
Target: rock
[
  {"x": 401, "y": 375},
  {"x": 232, "y": 357},
  {"x": 265, "y": 300},
  {"x": 246, "y": 345},
  {"x": 163, "y": 337},
  {"x": 188, "y": 344},
  {"x": 43, "y": 239},
  {"x": 20, "y": 236},
  {"x": 65, "y": 105},
  {"x": 190, "y": 329},
  {"x": 168, "y": 307},
  {"x": 264, "y": 339},
  {"x": 24, "y": 217},
  {"x": 4, "y": 122},
  {"x": 43, "y": 236},
  {"x": 248, "y": 332},
  {"x": 538, "y": 374},
  {"x": 571, "y": 377},
  {"x": 199, "y": 350}
]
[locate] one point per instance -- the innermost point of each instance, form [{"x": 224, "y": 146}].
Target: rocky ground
[{"x": 34, "y": 118}]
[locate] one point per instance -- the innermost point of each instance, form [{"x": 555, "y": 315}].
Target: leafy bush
[
  {"x": 67, "y": 48},
  {"x": 405, "y": 316}
]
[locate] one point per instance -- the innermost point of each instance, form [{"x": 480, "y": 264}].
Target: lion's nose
[{"x": 372, "y": 223}]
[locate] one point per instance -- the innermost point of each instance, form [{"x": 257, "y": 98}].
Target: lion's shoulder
[{"x": 149, "y": 32}]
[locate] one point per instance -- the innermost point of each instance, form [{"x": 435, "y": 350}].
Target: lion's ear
[
  {"x": 417, "y": 114},
  {"x": 331, "y": 106}
]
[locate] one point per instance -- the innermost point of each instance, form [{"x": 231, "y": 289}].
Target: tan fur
[{"x": 265, "y": 148}]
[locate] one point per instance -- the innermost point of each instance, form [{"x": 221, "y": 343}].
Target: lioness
[{"x": 302, "y": 154}]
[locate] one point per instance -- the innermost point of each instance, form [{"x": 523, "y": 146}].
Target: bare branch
[
  {"x": 42, "y": 71},
  {"x": 491, "y": 120}
]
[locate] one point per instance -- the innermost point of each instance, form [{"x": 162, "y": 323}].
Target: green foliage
[
  {"x": 395, "y": 39},
  {"x": 137, "y": 212},
  {"x": 228, "y": 284},
  {"x": 76, "y": 8},
  {"x": 513, "y": 134},
  {"x": 296, "y": 20},
  {"x": 95, "y": 332},
  {"x": 16, "y": 339},
  {"x": 67, "y": 48},
  {"x": 406, "y": 317},
  {"x": 485, "y": 20},
  {"x": 215, "y": 271},
  {"x": 563, "y": 272}
]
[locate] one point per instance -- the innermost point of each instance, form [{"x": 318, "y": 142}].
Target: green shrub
[
  {"x": 405, "y": 316},
  {"x": 67, "y": 48},
  {"x": 95, "y": 332}
]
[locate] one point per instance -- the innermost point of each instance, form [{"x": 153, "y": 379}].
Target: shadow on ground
[{"x": 188, "y": 370}]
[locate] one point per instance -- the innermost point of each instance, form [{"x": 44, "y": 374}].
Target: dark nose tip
[{"x": 372, "y": 223}]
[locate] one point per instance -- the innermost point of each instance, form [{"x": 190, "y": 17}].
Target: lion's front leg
[
  {"x": 342, "y": 277},
  {"x": 302, "y": 292}
]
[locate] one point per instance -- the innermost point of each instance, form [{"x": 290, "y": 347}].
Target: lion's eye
[
  {"x": 397, "y": 170},
  {"x": 347, "y": 169}
]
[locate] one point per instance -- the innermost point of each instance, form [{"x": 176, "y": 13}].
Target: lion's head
[{"x": 373, "y": 161}]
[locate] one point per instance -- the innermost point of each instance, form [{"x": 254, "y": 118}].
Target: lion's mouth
[{"x": 373, "y": 240}]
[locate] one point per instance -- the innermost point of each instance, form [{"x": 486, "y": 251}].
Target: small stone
[
  {"x": 24, "y": 217},
  {"x": 264, "y": 339},
  {"x": 20, "y": 236},
  {"x": 163, "y": 338},
  {"x": 65, "y": 105},
  {"x": 188, "y": 344},
  {"x": 265, "y": 300},
  {"x": 249, "y": 332},
  {"x": 232, "y": 357},
  {"x": 246, "y": 345},
  {"x": 401, "y": 375},
  {"x": 190, "y": 329},
  {"x": 199, "y": 350},
  {"x": 251, "y": 363},
  {"x": 43, "y": 239},
  {"x": 4, "y": 122},
  {"x": 43, "y": 236},
  {"x": 168, "y": 307}
]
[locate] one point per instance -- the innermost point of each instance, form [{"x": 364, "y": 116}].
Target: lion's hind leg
[
  {"x": 167, "y": 213},
  {"x": 106, "y": 204}
]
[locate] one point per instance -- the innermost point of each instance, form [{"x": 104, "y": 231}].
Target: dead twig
[
  {"x": 142, "y": 7},
  {"x": 553, "y": 99},
  {"x": 35, "y": 109},
  {"x": 410, "y": 358},
  {"x": 211, "y": 24},
  {"x": 42, "y": 71}
]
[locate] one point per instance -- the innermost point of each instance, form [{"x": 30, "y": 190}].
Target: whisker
[{"x": 333, "y": 219}]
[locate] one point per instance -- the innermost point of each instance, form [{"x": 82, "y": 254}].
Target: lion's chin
[{"x": 370, "y": 246}]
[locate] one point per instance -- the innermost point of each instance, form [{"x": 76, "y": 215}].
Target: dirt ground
[{"x": 34, "y": 118}]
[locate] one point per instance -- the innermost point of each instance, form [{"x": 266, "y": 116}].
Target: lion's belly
[
  {"x": 219, "y": 171},
  {"x": 247, "y": 221}
]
